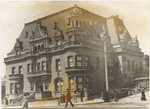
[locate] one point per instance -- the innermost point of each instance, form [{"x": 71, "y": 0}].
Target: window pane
[
  {"x": 79, "y": 80},
  {"x": 13, "y": 70},
  {"x": 79, "y": 58},
  {"x": 79, "y": 63}
]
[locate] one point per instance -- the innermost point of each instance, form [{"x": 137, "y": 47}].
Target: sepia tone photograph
[{"x": 75, "y": 54}]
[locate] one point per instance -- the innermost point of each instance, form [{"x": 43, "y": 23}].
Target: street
[{"x": 132, "y": 101}]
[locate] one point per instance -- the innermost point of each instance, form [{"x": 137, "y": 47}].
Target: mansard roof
[{"x": 60, "y": 17}]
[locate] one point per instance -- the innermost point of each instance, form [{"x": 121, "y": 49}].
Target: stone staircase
[{"x": 18, "y": 103}]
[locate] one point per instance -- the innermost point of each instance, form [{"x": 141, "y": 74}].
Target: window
[
  {"x": 18, "y": 88},
  {"x": 26, "y": 35},
  {"x": 76, "y": 23},
  {"x": 87, "y": 82},
  {"x": 38, "y": 66},
  {"x": 97, "y": 62},
  {"x": 12, "y": 88},
  {"x": 58, "y": 64},
  {"x": 58, "y": 84},
  {"x": 128, "y": 64},
  {"x": 32, "y": 87},
  {"x": 43, "y": 66},
  {"x": 132, "y": 65},
  {"x": 79, "y": 83},
  {"x": 39, "y": 47},
  {"x": 78, "y": 60},
  {"x": 71, "y": 83},
  {"x": 35, "y": 48},
  {"x": 86, "y": 60},
  {"x": 42, "y": 46},
  {"x": 13, "y": 70},
  {"x": 29, "y": 68},
  {"x": 46, "y": 87},
  {"x": 20, "y": 69},
  {"x": 72, "y": 23},
  {"x": 70, "y": 61}
]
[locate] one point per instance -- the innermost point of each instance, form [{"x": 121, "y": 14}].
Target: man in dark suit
[{"x": 68, "y": 98}]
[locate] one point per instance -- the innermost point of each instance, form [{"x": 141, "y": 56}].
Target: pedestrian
[
  {"x": 64, "y": 98},
  {"x": 143, "y": 96},
  {"x": 82, "y": 95},
  {"x": 115, "y": 96},
  {"x": 60, "y": 99},
  {"x": 106, "y": 96},
  {"x": 68, "y": 97},
  {"x": 25, "y": 103},
  {"x": 75, "y": 97},
  {"x": 6, "y": 101}
]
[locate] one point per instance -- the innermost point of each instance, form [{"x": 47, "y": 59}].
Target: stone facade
[{"x": 66, "y": 50}]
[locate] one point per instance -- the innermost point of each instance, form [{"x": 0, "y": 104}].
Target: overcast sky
[{"x": 14, "y": 15}]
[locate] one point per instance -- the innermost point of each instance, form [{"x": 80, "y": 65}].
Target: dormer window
[
  {"x": 26, "y": 35},
  {"x": 39, "y": 47}
]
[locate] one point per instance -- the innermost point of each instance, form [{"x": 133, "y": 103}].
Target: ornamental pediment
[{"x": 40, "y": 31}]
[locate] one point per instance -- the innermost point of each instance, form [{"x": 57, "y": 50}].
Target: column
[{"x": 75, "y": 84}]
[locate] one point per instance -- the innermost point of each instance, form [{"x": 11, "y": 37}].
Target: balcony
[
  {"x": 15, "y": 76},
  {"x": 38, "y": 73},
  {"x": 72, "y": 29},
  {"x": 78, "y": 69},
  {"x": 42, "y": 75},
  {"x": 64, "y": 46}
]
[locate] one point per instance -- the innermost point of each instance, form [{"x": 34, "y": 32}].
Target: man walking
[
  {"x": 82, "y": 95},
  {"x": 68, "y": 98},
  {"x": 115, "y": 96}
]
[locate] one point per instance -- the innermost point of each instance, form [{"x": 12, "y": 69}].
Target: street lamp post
[{"x": 105, "y": 58}]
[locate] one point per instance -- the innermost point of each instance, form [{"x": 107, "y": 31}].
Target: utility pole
[{"x": 105, "y": 57}]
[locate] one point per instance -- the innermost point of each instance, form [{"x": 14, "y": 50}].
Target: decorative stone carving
[
  {"x": 58, "y": 34},
  {"x": 76, "y": 12}
]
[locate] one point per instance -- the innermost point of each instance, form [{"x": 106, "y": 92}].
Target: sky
[{"x": 135, "y": 14}]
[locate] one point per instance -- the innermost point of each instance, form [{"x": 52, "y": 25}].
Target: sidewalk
[{"x": 130, "y": 101}]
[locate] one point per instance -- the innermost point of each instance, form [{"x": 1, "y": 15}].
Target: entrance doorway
[{"x": 39, "y": 86}]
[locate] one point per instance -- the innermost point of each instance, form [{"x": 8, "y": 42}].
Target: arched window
[
  {"x": 58, "y": 84},
  {"x": 35, "y": 48},
  {"x": 39, "y": 47},
  {"x": 42, "y": 47}
]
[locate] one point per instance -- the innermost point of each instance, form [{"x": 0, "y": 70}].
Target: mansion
[{"x": 66, "y": 50}]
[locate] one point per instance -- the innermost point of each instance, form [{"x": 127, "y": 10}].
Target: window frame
[
  {"x": 43, "y": 65},
  {"x": 29, "y": 70},
  {"x": 79, "y": 61},
  {"x": 13, "y": 70},
  {"x": 20, "y": 70},
  {"x": 38, "y": 66},
  {"x": 70, "y": 63},
  {"x": 58, "y": 66},
  {"x": 86, "y": 61}
]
